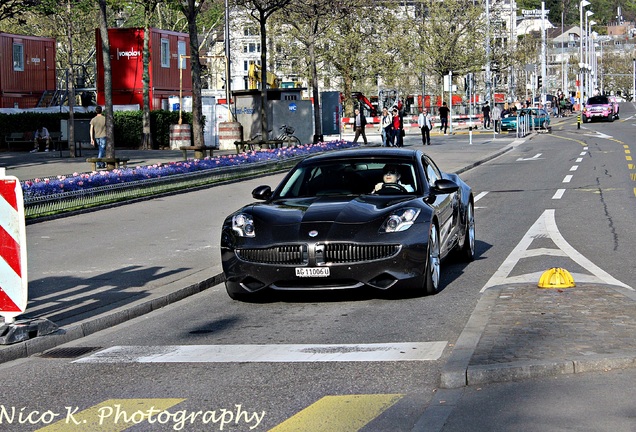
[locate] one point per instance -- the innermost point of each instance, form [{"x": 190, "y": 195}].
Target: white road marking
[
  {"x": 579, "y": 160},
  {"x": 544, "y": 227},
  {"x": 480, "y": 196},
  {"x": 574, "y": 168},
  {"x": 407, "y": 351},
  {"x": 567, "y": 179},
  {"x": 535, "y": 157},
  {"x": 559, "y": 194}
]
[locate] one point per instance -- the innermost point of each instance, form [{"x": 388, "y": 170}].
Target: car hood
[{"x": 328, "y": 217}]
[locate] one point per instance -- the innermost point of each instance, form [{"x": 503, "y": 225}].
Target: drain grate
[{"x": 71, "y": 352}]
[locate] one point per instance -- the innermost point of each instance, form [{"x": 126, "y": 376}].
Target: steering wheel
[{"x": 396, "y": 186}]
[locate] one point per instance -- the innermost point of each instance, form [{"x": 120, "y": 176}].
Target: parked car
[
  {"x": 539, "y": 117},
  {"x": 600, "y": 107},
  {"x": 338, "y": 221}
]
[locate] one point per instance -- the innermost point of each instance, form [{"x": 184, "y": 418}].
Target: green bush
[{"x": 128, "y": 125}]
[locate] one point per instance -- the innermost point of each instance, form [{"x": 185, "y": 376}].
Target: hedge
[{"x": 128, "y": 125}]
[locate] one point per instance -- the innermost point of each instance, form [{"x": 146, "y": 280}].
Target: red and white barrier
[{"x": 13, "y": 255}]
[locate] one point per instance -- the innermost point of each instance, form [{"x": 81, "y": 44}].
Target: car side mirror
[
  {"x": 444, "y": 186},
  {"x": 263, "y": 192}
]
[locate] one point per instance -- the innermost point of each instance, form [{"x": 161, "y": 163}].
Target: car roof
[{"x": 362, "y": 153}]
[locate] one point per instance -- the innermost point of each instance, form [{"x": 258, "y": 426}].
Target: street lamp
[
  {"x": 588, "y": 13},
  {"x": 592, "y": 58},
  {"x": 582, "y": 4}
]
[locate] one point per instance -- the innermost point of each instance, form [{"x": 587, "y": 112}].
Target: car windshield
[
  {"x": 345, "y": 177},
  {"x": 598, "y": 100}
]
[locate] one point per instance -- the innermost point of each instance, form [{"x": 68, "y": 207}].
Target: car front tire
[
  {"x": 467, "y": 251},
  {"x": 432, "y": 270}
]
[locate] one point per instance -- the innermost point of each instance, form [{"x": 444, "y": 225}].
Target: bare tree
[
  {"x": 191, "y": 9},
  {"x": 310, "y": 20},
  {"x": 146, "y": 137},
  {"x": 261, "y": 10}
]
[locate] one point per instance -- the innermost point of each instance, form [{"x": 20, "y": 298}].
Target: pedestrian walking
[
  {"x": 386, "y": 123},
  {"x": 424, "y": 122},
  {"x": 496, "y": 118},
  {"x": 485, "y": 110},
  {"x": 444, "y": 113},
  {"x": 398, "y": 129},
  {"x": 360, "y": 123},
  {"x": 97, "y": 132}
]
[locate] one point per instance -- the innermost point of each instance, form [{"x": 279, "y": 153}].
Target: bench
[
  {"x": 111, "y": 163},
  {"x": 25, "y": 141},
  {"x": 17, "y": 140},
  {"x": 199, "y": 151},
  {"x": 242, "y": 145}
]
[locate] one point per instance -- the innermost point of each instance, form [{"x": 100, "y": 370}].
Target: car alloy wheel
[
  {"x": 432, "y": 271},
  {"x": 468, "y": 248}
]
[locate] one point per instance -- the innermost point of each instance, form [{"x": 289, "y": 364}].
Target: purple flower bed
[{"x": 83, "y": 181}]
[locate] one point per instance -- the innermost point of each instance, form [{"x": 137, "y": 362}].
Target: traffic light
[{"x": 539, "y": 81}]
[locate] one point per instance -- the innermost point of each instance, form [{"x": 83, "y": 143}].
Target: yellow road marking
[
  {"x": 570, "y": 139},
  {"x": 346, "y": 413},
  {"x": 113, "y": 415}
]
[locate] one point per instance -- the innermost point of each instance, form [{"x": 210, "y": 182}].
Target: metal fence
[{"x": 56, "y": 204}]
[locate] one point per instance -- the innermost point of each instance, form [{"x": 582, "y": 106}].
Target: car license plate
[{"x": 312, "y": 271}]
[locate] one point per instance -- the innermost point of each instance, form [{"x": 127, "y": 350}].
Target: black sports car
[{"x": 380, "y": 218}]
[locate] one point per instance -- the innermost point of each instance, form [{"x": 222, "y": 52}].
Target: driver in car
[{"x": 391, "y": 179}]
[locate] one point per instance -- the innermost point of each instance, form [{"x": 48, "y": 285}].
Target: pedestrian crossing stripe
[
  {"x": 346, "y": 413},
  {"x": 113, "y": 415},
  {"x": 342, "y": 413},
  {"x": 406, "y": 351}
]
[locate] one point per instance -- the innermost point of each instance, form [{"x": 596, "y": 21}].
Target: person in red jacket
[{"x": 397, "y": 139}]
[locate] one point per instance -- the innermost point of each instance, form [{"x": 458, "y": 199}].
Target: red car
[{"x": 600, "y": 107}]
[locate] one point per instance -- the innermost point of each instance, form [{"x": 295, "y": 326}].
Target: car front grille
[
  {"x": 351, "y": 252},
  {"x": 285, "y": 254},
  {"x": 324, "y": 253}
]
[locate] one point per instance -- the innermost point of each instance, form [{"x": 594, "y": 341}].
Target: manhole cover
[{"x": 68, "y": 352}]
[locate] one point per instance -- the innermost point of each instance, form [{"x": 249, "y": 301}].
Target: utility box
[
  {"x": 284, "y": 107},
  {"x": 169, "y": 66}
]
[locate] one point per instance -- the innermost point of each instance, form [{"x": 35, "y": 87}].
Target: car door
[{"x": 445, "y": 204}]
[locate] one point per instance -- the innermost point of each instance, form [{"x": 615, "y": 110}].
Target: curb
[{"x": 101, "y": 322}]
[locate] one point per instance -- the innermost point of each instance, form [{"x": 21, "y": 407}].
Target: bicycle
[{"x": 287, "y": 135}]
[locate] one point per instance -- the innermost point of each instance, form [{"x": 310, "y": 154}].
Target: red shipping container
[
  {"x": 126, "y": 60},
  {"x": 27, "y": 69}
]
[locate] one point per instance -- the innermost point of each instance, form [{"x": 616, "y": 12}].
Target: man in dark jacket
[{"x": 359, "y": 124}]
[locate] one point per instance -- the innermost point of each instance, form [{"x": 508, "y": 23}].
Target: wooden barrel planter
[
  {"x": 180, "y": 136},
  {"x": 228, "y": 133}
]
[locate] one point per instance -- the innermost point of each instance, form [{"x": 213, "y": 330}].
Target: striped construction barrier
[{"x": 13, "y": 256}]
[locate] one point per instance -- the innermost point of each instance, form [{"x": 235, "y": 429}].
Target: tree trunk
[
  {"x": 314, "y": 88},
  {"x": 146, "y": 138},
  {"x": 195, "y": 67},
  {"x": 264, "y": 123},
  {"x": 71, "y": 84},
  {"x": 108, "y": 81}
]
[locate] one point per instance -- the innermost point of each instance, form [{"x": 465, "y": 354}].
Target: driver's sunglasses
[{"x": 390, "y": 173}]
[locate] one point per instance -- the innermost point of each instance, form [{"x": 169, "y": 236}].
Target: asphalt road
[{"x": 171, "y": 241}]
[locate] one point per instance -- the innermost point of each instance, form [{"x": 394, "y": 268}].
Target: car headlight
[
  {"x": 400, "y": 221},
  {"x": 244, "y": 225}
]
